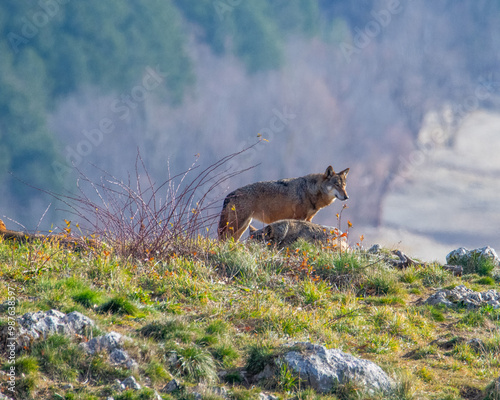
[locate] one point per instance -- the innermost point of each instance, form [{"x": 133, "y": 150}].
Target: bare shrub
[{"x": 141, "y": 218}]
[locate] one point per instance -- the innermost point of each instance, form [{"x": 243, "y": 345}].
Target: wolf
[
  {"x": 286, "y": 232},
  {"x": 294, "y": 198}
]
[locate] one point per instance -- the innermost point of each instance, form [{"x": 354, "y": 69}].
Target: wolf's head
[{"x": 334, "y": 184}]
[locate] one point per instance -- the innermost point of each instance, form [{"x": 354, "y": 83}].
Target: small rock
[
  {"x": 69, "y": 386},
  {"x": 457, "y": 256},
  {"x": 131, "y": 383},
  {"x": 132, "y": 365},
  {"x": 266, "y": 373},
  {"x": 171, "y": 386},
  {"x": 267, "y": 396},
  {"x": 438, "y": 299},
  {"x": 118, "y": 386},
  {"x": 486, "y": 252},
  {"x": 118, "y": 356},
  {"x": 476, "y": 344},
  {"x": 157, "y": 396},
  {"x": 374, "y": 249},
  {"x": 108, "y": 342},
  {"x": 220, "y": 391},
  {"x": 461, "y": 295}
]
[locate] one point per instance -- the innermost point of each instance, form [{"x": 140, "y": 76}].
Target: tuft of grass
[
  {"x": 425, "y": 374},
  {"x": 434, "y": 276},
  {"x": 485, "y": 280},
  {"x": 423, "y": 353},
  {"x": 24, "y": 365},
  {"x": 474, "y": 318},
  {"x": 381, "y": 283},
  {"x": 259, "y": 356},
  {"x": 492, "y": 391},
  {"x": 87, "y": 298},
  {"x": 196, "y": 364},
  {"x": 385, "y": 300},
  {"x": 217, "y": 327},
  {"x": 313, "y": 292},
  {"x": 241, "y": 393},
  {"x": 102, "y": 372},
  {"x": 245, "y": 264},
  {"x": 59, "y": 358},
  {"x": 404, "y": 388},
  {"x": 119, "y": 305},
  {"x": 174, "y": 328},
  {"x": 233, "y": 377},
  {"x": 142, "y": 394},
  {"x": 26, "y": 386},
  {"x": 207, "y": 340},
  {"x": 464, "y": 352},
  {"x": 226, "y": 354},
  {"x": 436, "y": 313},
  {"x": 409, "y": 275},
  {"x": 287, "y": 380},
  {"x": 478, "y": 265},
  {"x": 156, "y": 372},
  {"x": 351, "y": 390}
]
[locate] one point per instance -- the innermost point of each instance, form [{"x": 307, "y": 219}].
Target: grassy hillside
[{"x": 220, "y": 309}]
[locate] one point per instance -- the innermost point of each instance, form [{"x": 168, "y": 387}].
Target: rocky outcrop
[
  {"x": 325, "y": 368},
  {"x": 468, "y": 258},
  {"x": 112, "y": 343},
  {"x": 462, "y": 296},
  {"x": 34, "y": 326}
]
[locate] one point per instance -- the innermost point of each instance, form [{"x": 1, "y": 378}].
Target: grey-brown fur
[
  {"x": 286, "y": 232},
  {"x": 295, "y": 198}
]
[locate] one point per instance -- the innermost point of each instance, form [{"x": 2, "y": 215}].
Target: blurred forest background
[{"x": 395, "y": 90}]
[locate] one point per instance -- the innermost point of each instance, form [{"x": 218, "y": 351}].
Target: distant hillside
[
  {"x": 449, "y": 191},
  {"x": 341, "y": 83}
]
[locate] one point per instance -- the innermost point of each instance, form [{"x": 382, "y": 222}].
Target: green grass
[
  {"x": 88, "y": 298},
  {"x": 479, "y": 265},
  {"x": 208, "y": 315},
  {"x": 119, "y": 305},
  {"x": 196, "y": 364}
]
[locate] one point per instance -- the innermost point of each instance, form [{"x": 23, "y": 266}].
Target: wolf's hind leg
[{"x": 242, "y": 227}]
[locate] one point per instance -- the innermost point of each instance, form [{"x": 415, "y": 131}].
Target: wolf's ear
[
  {"x": 329, "y": 172},
  {"x": 344, "y": 172}
]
